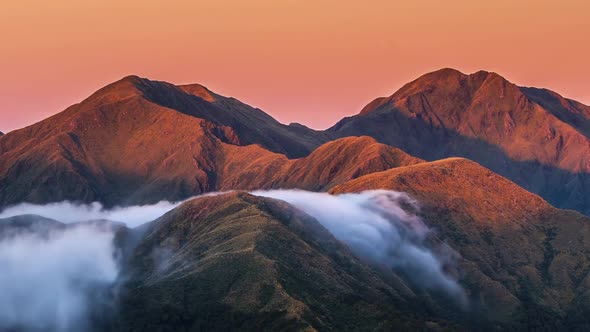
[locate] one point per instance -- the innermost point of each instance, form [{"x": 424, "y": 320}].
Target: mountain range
[
  {"x": 499, "y": 172},
  {"x": 534, "y": 137}
]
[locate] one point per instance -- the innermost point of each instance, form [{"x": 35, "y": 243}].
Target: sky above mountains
[{"x": 307, "y": 61}]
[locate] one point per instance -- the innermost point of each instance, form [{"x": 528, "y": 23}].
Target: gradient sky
[{"x": 307, "y": 61}]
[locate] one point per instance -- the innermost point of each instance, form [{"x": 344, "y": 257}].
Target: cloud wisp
[
  {"x": 68, "y": 212},
  {"x": 376, "y": 227}
]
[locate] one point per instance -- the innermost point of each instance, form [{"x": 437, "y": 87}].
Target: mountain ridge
[
  {"x": 256, "y": 263},
  {"x": 533, "y": 136},
  {"x": 170, "y": 141},
  {"x": 538, "y": 139},
  {"x": 520, "y": 256}
]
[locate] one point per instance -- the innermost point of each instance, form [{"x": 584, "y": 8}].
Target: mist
[
  {"x": 68, "y": 212},
  {"x": 53, "y": 276},
  {"x": 377, "y": 227},
  {"x": 46, "y": 279}
]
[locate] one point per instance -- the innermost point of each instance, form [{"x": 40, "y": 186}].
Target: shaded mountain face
[
  {"x": 232, "y": 261},
  {"x": 240, "y": 262},
  {"x": 523, "y": 262},
  {"x": 235, "y": 261},
  {"x": 534, "y": 137}
]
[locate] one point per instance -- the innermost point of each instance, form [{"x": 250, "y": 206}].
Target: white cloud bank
[
  {"x": 50, "y": 277},
  {"x": 45, "y": 280},
  {"x": 376, "y": 227}
]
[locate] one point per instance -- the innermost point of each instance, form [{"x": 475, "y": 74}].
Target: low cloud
[
  {"x": 46, "y": 280},
  {"x": 67, "y": 212},
  {"x": 53, "y": 277},
  {"x": 376, "y": 227}
]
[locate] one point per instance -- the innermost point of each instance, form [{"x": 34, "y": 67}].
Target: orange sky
[{"x": 311, "y": 61}]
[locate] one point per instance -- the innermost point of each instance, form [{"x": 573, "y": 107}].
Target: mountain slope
[
  {"x": 534, "y": 137},
  {"x": 525, "y": 262},
  {"x": 137, "y": 141},
  {"x": 235, "y": 261},
  {"x": 330, "y": 164},
  {"x": 121, "y": 146},
  {"x": 569, "y": 111},
  {"x": 240, "y": 262}
]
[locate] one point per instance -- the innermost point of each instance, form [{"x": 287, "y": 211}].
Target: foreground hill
[
  {"x": 525, "y": 262},
  {"x": 240, "y": 262},
  {"x": 231, "y": 261},
  {"x": 235, "y": 261},
  {"x": 534, "y": 137}
]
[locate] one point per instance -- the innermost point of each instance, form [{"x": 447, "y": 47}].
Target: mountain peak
[
  {"x": 445, "y": 72},
  {"x": 147, "y": 86},
  {"x": 450, "y": 73},
  {"x": 485, "y": 117},
  {"x": 441, "y": 76},
  {"x": 129, "y": 81},
  {"x": 132, "y": 79},
  {"x": 446, "y": 75},
  {"x": 445, "y": 80},
  {"x": 200, "y": 91},
  {"x": 125, "y": 87}
]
